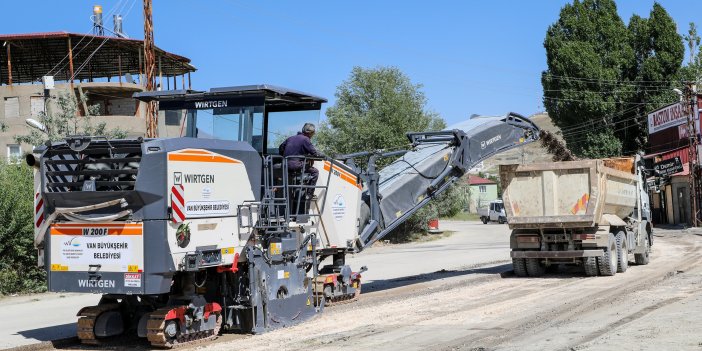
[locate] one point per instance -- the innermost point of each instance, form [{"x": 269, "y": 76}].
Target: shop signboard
[{"x": 668, "y": 167}]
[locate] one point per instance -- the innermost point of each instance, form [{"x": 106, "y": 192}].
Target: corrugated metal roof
[{"x": 33, "y": 55}]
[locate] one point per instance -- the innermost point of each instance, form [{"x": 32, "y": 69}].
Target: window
[
  {"x": 282, "y": 125},
  {"x": 11, "y": 107},
  {"x": 482, "y": 188},
  {"x": 36, "y": 106},
  {"x": 14, "y": 153},
  {"x": 173, "y": 117},
  {"x": 230, "y": 123}
]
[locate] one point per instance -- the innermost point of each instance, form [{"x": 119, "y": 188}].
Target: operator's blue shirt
[{"x": 297, "y": 145}]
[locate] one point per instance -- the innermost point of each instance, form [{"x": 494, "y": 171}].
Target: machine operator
[{"x": 301, "y": 145}]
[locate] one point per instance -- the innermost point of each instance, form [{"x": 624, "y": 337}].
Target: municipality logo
[{"x": 73, "y": 242}]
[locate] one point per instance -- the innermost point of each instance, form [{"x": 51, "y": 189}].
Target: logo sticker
[
  {"x": 183, "y": 235},
  {"x": 338, "y": 207},
  {"x": 177, "y": 178}
]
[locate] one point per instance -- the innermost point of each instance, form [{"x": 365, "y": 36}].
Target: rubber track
[
  {"x": 86, "y": 323},
  {"x": 157, "y": 337}
]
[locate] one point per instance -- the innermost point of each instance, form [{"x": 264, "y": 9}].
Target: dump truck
[
  {"x": 207, "y": 230},
  {"x": 590, "y": 213}
]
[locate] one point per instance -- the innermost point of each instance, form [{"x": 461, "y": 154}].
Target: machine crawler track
[
  {"x": 158, "y": 337},
  {"x": 341, "y": 299},
  {"x": 86, "y": 322}
]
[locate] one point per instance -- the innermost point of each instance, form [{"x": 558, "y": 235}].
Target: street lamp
[
  {"x": 679, "y": 92},
  {"x": 36, "y": 125}
]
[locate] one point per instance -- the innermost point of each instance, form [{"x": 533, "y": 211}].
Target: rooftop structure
[
  {"x": 26, "y": 58},
  {"x": 101, "y": 72}
]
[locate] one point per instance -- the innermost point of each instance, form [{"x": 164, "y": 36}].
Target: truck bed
[{"x": 568, "y": 194}]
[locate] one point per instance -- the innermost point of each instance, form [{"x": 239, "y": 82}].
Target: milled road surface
[{"x": 458, "y": 293}]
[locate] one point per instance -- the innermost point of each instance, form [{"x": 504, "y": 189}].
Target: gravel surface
[{"x": 459, "y": 293}]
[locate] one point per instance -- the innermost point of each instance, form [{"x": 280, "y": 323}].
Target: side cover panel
[
  {"x": 205, "y": 190},
  {"x": 339, "y": 223}
]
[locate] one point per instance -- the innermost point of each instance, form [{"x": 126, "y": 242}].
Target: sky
[{"x": 471, "y": 57}]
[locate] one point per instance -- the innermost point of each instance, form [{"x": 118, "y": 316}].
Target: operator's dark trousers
[{"x": 296, "y": 166}]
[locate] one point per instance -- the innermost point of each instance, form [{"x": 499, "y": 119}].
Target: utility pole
[
  {"x": 691, "y": 94},
  {"x": 150, "y": 70}
]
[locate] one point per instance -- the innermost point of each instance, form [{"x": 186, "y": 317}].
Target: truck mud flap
[{"x": 557, "y": 254}]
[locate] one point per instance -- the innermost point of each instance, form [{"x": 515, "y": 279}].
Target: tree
[
  {"x": 18, "y": 261},
  {"x": 62, "y": 121},
  {"x": 586, "y": 50},
  {"x": 659, "y": 52},
  {"x": 375, "y": 109},
  {"x": 692, "y": 71},
  {"x": 603, "y": 77}
]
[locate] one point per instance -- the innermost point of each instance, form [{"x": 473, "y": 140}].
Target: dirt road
[
  {"x": 654, "y": 307},
  {"x": 476, "y": 303}
]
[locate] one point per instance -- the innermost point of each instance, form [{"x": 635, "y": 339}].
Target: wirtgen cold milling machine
[{"x": 184, "y": 236}]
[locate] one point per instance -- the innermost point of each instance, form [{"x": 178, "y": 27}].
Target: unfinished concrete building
[{"x": 98, "y": 71}]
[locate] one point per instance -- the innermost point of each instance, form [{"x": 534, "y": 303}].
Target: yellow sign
[
  {"x": 275, "y": 248},
  {"x": 228, "y": 251},
  {"x": 132, "y": 268},
  {"x": 58, "y": 267}
]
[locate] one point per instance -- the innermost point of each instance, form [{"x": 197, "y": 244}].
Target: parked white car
[{"x": 495, "y": 212}]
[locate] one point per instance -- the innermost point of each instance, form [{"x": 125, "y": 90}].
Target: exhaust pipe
[{"x": 31, "y": 160}]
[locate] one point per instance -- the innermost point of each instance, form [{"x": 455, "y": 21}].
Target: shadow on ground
[
  {"x": 380, "y": 285},
  {"x": 50, "y": 333},
  {"x": 504, "y": 270}
]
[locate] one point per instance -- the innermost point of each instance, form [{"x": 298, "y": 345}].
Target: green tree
[
  {"x": 659, "y": 52},
  {"x": 603, "y": 76},
  {"x": 692, "y": 71},
  {"x": 586, "y": 50},
  {"x": 63, "y": 120},
  {"x": 18, "y": 258},
  {"x": 375, "y": 109}
]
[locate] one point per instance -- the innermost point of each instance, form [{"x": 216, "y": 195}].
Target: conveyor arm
[{"x": 436, "y": 160}]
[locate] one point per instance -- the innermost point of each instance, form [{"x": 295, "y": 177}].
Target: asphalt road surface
[{"x": 458, "y": 293}]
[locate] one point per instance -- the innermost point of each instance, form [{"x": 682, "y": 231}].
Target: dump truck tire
[
  {"x": 484, "y": 219},
  {"x": 519, "y": 265},
  {"x": 608, "y": 262},
  {"x": 590, "y": 265},
  {"x": 643, "y": 258},
  {"x": 622, "y": 253},
  {"x": 534, "y": 267}
]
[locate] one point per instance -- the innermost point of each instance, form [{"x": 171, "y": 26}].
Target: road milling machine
[{"x": 206, "y": 228}]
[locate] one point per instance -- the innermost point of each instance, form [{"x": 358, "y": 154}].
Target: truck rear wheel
[
  {"x": 534, "y": 267},
  {"x": 642, "y": 258},
  {"x": 622, "y": 253},
  {"x": 608, "y": 262},
  {"x": 590, "y": 264},
  {"x": 519, "y": 265}
]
